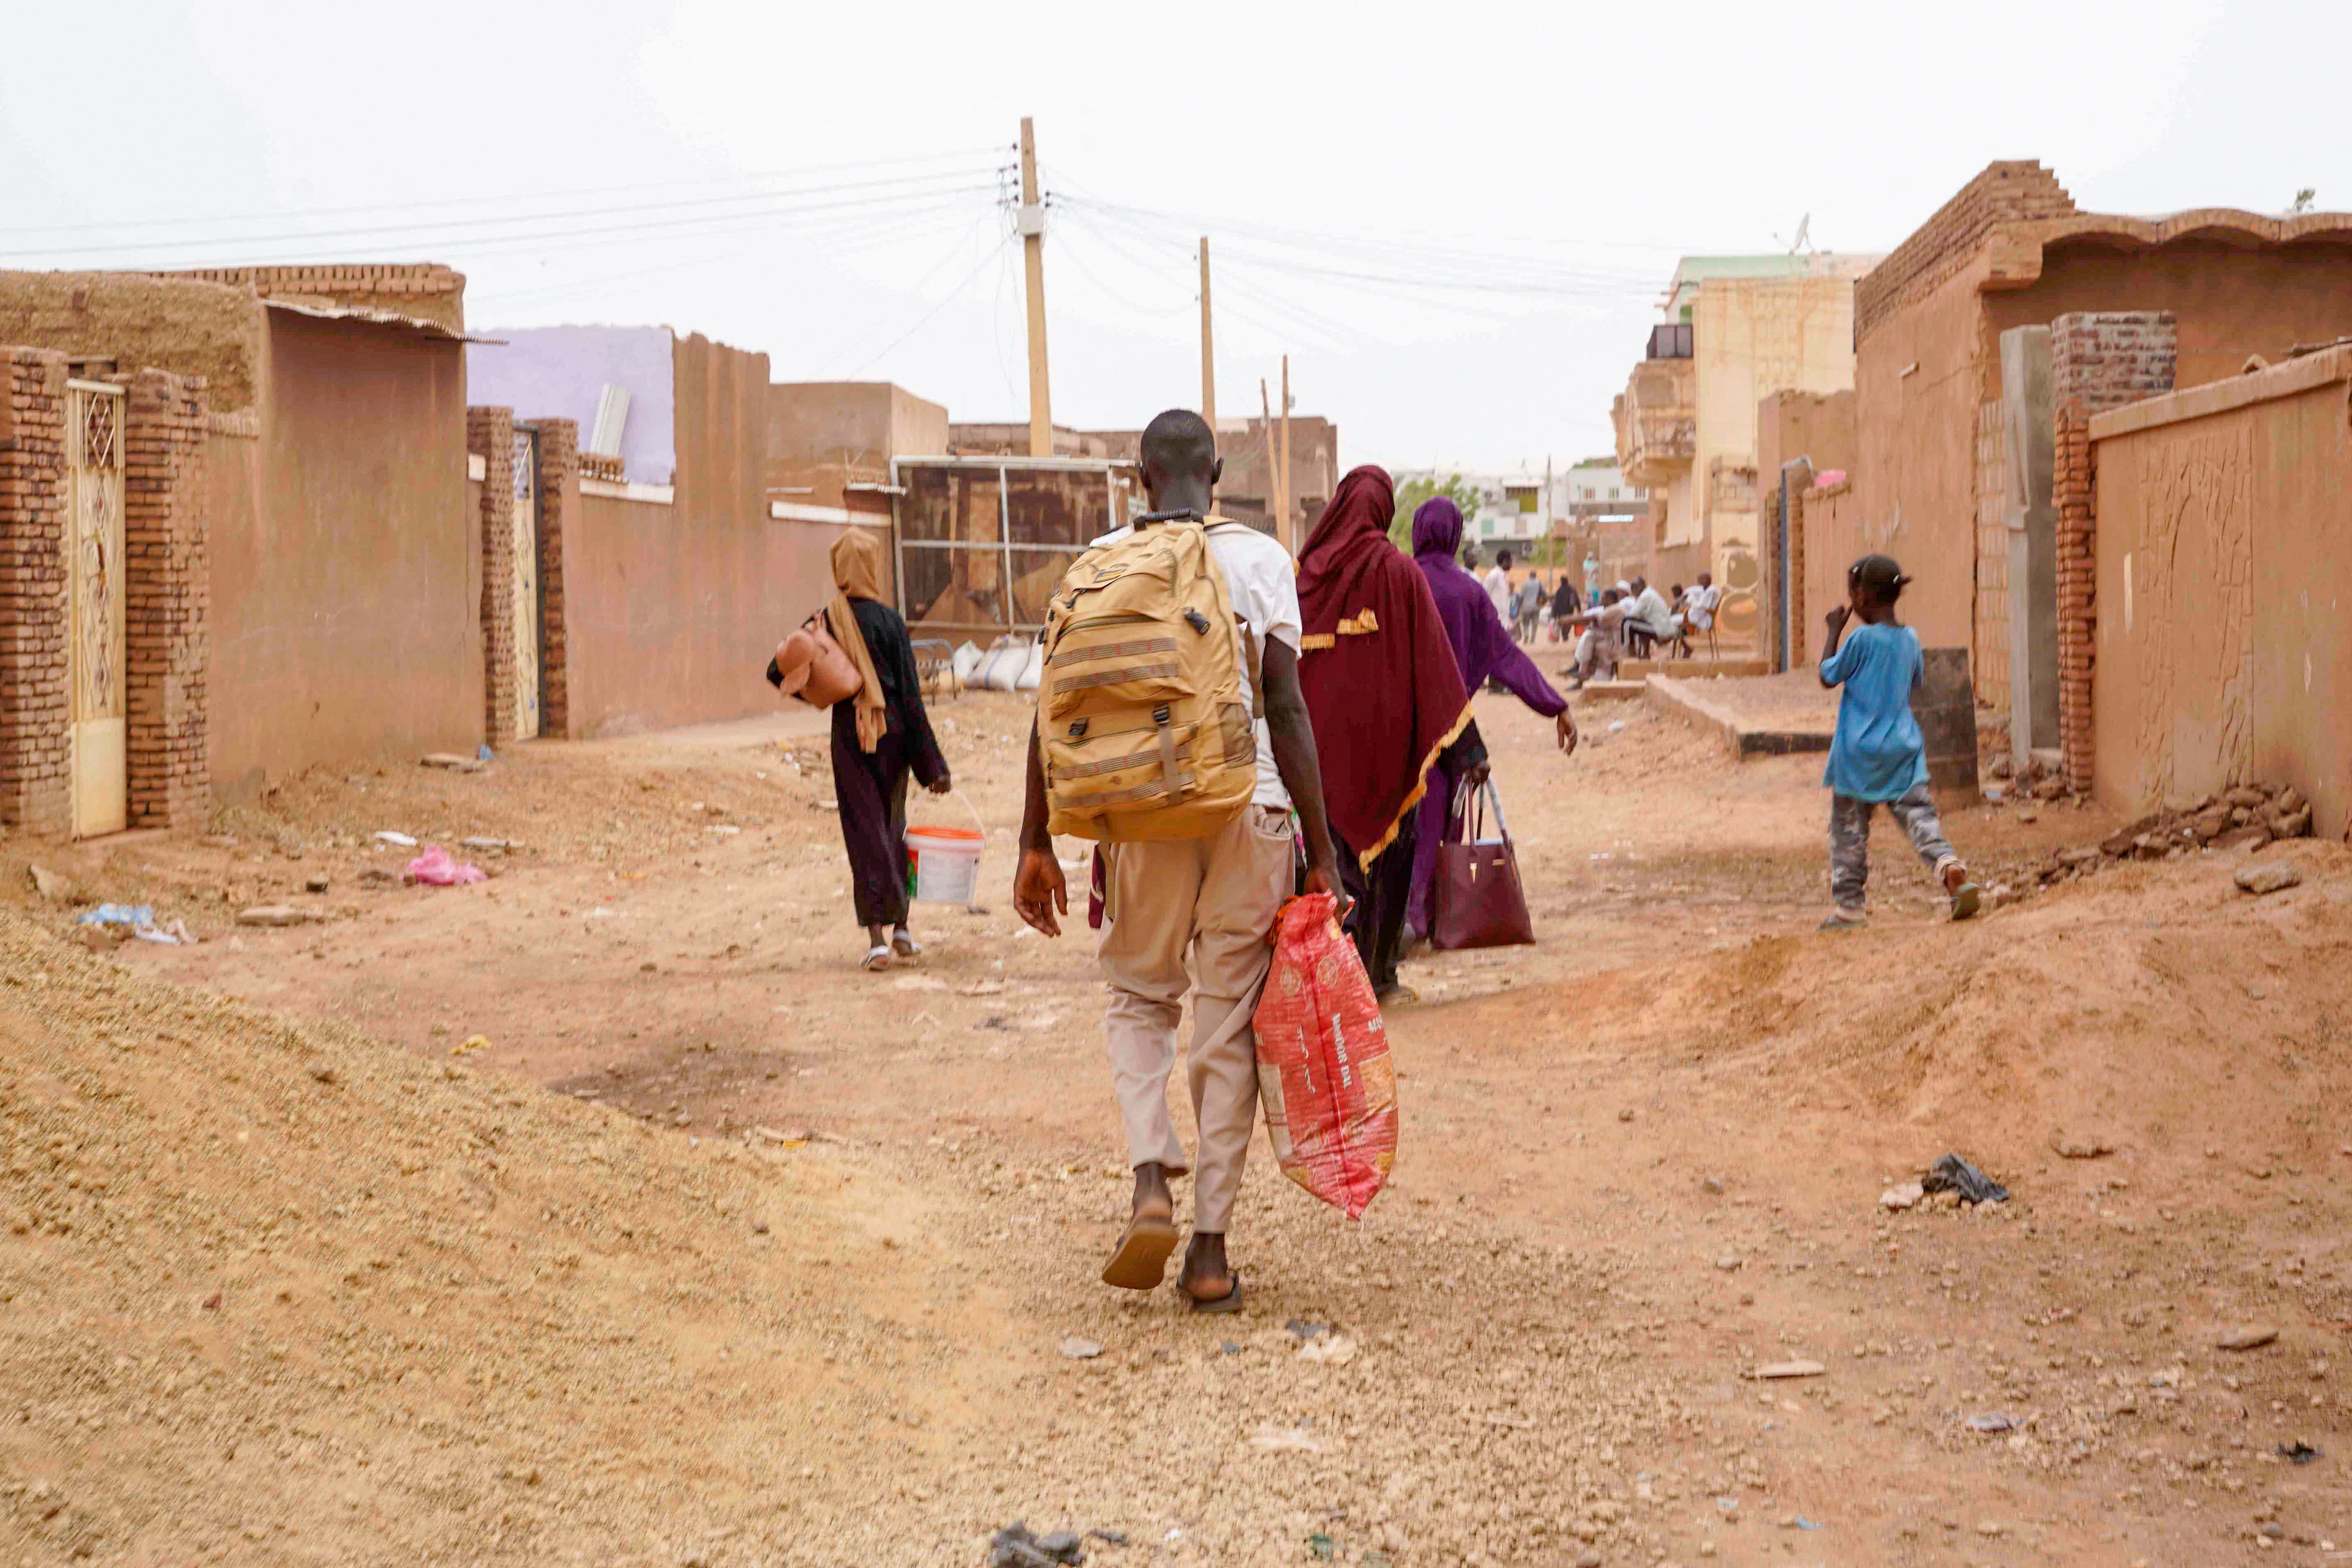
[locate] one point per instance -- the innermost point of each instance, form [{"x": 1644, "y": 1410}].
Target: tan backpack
[{"x": 1140, "y": 720}]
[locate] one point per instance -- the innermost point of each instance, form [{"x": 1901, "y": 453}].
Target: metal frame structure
[{"x": 1117, "y": 473}]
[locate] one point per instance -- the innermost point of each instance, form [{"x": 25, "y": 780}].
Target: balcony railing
[
  {"x": 1657, "y": 421},
  {"x": 1671, "y": 340}
]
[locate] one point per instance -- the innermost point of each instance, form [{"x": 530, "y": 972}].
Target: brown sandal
[
  {"x": 1219, "y": 1306},
  {"x": 1141, "y": 1261}
]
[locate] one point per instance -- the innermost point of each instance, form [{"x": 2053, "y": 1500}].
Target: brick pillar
[
  {"x": 36, "y": 782},
  {"x": 489, "y": 435},
  {"x": 2098, "y": 360},
  {"x": 167, "y": 598},
  {"x": 1797, "y": 494},
  {"x": 559, "y": 506}
]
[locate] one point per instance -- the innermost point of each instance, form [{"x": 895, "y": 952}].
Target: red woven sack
[{"x": 1323, "y": 1069}]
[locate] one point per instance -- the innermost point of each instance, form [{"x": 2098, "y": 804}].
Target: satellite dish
[{"x": 1804, "y": 231}]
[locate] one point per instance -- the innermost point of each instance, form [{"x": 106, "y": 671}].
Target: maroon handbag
[{"x": 1475, "y": 900}]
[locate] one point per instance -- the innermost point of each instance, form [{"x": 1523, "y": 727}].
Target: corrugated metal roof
[{"x": 379, "y": 317}]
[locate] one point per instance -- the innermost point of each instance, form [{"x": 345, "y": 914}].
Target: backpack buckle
[
  {"x": 1078, "y": 728},
  {"x": 1159, "y": 714},
  {"x": 1197, "y": 621}
]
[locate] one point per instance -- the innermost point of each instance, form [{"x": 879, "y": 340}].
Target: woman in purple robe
[{"x": 1483, "y": 648}]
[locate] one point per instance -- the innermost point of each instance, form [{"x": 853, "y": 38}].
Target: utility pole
[
  {"x": 1208, "y": 348},
  {"x": 1266, "y": 405},
  {"x": 1032, "y": 246},
  {"x": 1285, "y": 533}
]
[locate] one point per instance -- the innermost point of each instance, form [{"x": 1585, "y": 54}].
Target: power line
[
  {"x": 945, "y": 302},
  {"x": 437, "y": 235},
  {"x": 960, "y": 158}
]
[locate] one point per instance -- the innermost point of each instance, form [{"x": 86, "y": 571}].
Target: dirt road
[{"x": 1641, "y": 1161}]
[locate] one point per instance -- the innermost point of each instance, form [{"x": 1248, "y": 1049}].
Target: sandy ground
[{"x": 720, "y": 1251}]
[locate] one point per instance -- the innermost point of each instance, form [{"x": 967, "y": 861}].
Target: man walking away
[
  {"x": 1206, "y": 905},
  {"x": 1530, "y": 606}
]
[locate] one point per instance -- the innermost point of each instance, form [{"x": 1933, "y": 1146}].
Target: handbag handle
[{"x": 1473, "y": 804}]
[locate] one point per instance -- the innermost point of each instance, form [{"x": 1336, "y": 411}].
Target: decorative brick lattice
[
  {"x": 559, "y": 497},
  {"x": 2098, "y": 361},
  {"x": 36, "y": 761},
  {"x": 489, "y": 435},
  {"x": 168, "y": 598},
  {"x": 1992, "y": 661}
]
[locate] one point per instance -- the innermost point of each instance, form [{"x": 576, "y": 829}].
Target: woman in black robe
[{"x": 881, "y": 735}]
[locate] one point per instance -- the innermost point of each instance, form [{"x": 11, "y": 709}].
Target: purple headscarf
[{"x": 1484, "y": 649}]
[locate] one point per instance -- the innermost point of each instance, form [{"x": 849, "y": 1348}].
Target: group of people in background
[{"x": 1361, "y": 665}]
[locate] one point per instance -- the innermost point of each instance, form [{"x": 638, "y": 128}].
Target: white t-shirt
[
  {"x": 1262, "y": 586},
  {"x": 1703, "y": 602},
  {"x": 1650, "y": 609}
]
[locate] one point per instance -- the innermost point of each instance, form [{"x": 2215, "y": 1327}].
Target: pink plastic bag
[
  {"x": 1323, "y": 1068},
  {"x": 434, "y": 868}
]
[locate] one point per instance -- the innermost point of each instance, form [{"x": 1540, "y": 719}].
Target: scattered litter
[
  {"x": 1016, "y": 1547},
  {"x": 1331, "y": 1350},
  {"x": 1905, "y": 1197},
  {"x": 1277, "y": 1439},
  {"x": 2297, "y": 1453},
  {"x": 1780, "y": 1369},
  {"x": 1616, "y": 725},
  {"x": 2267, "y": 877},
  {"x": 725, "y": 827},
  {"x": 1953, "y": 1175},
  {"x": 137, "y": 921},
  {"x": 471, "y": 1044},
  {"x": 1804, "y": 1523},
  {"x": 50, "y": 885},
  {"x": 488, "y": 846},
  {"x": 482, "y": 753},
  {"x": 826, "y": 804},
  {"x": 2078, "y": 1148},
  {"x": 1108, "y": 1537},
  {"x": 315, "y": 884},
  {"x": 1321, "y": 1547},
  {"x": 397, "y": 840},
  {"x": 451, "y": 762},
  {"x": 1077, "y": 1349},
  {"x": 1301, "y": 1329},
  {"x": 1995, "y": 1422},
  {"x": 2246, "y": 1337},
  {"x": 791, "y": 1139},
  {"x": 434, "y": 868},
  {"x": 274, "y": 915}
]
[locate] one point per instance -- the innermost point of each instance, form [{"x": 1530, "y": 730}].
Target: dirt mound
[
  {"x": 274, "y": 1293},
  {"x": 2156, "y": 1008}
]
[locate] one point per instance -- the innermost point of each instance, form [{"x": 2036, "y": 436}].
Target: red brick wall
[
  {"x": 423, "y": 289},
  {"x": 2099, "y": 359},
  {"x": 489, "y": 435},
  {"x": 35, "y": 786},
  {"x": 559, "y": 507},
  {"x": 167, "y": 578}
]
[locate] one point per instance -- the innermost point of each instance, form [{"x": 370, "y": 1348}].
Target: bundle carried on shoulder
[{"x": 1140, "y": 720}]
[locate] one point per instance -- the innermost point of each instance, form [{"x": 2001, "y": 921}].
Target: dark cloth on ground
[
  {"x": 1381, "y": 891},
  {"x": 1382, "y": 684}
]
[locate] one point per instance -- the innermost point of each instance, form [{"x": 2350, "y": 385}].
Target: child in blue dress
[{"x": 1878, "y": 756}]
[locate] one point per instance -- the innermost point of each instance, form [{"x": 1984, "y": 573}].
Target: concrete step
[{"x": 1690, "y": 668}]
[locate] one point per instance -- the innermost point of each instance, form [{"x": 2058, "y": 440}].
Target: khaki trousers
[{"x": 1208, "y": 904}]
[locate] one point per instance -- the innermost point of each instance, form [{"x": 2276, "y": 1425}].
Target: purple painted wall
[{"x": 560, "y": 372}]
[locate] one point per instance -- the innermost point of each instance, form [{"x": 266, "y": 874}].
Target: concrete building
[
  {"x": 1736, "y": 329},
  {"x": 1942, "y": 440},
  {"x": 1519, "y": 508}
]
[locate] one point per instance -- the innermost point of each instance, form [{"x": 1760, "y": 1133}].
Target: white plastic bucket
[{"x": 943, "y": 863}]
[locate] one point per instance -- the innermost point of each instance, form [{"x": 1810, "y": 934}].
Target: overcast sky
[{"x": 1457, "y": 220}]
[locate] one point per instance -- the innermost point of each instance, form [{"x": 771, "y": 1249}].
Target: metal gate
[
  {"x": 95, "y": 642},
  {"x": 524, "y": 545}
]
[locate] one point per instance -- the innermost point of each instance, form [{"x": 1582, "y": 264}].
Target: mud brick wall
[
  {"x": 559, "y": 507},
  {"x": 489, "y": 435},
  {"x": 35, "y": 782},
  {"x": 167, "y": 598},
  {"x": 2005, "y": 193},
  {"x": 423, "y": 289},
  {"x": 2099, "y": 359}
]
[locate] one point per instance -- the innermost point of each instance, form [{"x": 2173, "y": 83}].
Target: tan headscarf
[{"x": 857, "y": 572}]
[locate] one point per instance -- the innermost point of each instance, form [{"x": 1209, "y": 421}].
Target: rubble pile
[{"x": 2245, "y": 817}]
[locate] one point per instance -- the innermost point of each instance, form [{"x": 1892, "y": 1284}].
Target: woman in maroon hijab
[{"x": 1386, "y": 701}]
